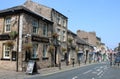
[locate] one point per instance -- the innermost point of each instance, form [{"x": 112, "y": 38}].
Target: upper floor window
[
  {"x": 64, "y": 36},
  {"x": 8, "y": 24},
  {"x": 64, "y": 23},
  {"x": 35, "y": 26},
  {"x": 59, "y": 33},
  {"x": 58, "y": 20},
  {"x": 6, "y": 52},
  {"x": 45, "y": 30}
]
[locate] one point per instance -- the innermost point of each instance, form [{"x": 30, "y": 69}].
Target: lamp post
[
  {"x": 56, "y": 44},
  {"x": 27, "y": 50}
]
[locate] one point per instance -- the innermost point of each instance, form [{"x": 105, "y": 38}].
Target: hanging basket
[
  {"x": 27, "y": 46},
  {"x": 55, "y": 35},
  {"x": 10, "y": 43},
  {"x": 51, "y": 49}
]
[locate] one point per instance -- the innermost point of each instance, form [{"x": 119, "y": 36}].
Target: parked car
[{"x": 117, "y": 58}]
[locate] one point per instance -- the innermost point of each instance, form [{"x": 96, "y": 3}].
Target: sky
[{"x": 100, "y": 16}]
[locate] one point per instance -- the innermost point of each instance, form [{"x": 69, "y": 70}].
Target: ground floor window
[
  {"x": 45, "y": 50},
  {"x": 35, "y": 51},
  {"x": 6, "y": 52}
]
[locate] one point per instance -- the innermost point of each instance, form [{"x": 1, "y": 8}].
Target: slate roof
[{"x": 81, "y": 41}]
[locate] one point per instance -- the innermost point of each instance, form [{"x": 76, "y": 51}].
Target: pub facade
[{"x": 24, "y": 36}]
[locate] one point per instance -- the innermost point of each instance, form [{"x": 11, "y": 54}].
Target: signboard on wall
[
  {"x": 40, "y": 39},
  {"x": 4, "y": 37}
]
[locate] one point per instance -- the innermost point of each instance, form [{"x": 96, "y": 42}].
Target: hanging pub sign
[
  {"x": 4, "y": 37},
  {"x": 40, "y": 39}
]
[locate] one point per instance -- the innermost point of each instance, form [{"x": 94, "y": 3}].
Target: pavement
[{"x": 8, "y": 74}]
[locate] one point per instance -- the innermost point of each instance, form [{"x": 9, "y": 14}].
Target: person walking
[
  {"x": 73, "y": 62},
  {"x": 110, "y": 59}
]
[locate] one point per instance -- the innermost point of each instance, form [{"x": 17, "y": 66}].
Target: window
[
  {"x": 58, "y": 20},
  {"x": 64, "y": 36},
  {"x": 45, "y": 29},
  {"x": 7, "y": 24},
  {"x": 64, "y": 23},
  {"x": 35, "y": 53},
  {"x": 58, "y": 31},
  {"x": 6, "y": 53},
  {"x": 35, "y": 26},
  {"x": 44, "y": 50}
]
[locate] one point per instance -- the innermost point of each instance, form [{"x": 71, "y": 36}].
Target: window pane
[
  {"x": 7, "y": 24},
  {"x": 44, "y": 50},
  {"x": 45, "y": 30},
  {"x": 6, "y": 53},
  {"x": 35, "y": 26},
  {"x": 35, "y": 54}
]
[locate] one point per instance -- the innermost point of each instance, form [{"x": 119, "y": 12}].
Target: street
[{"x": 95, "y": 71}]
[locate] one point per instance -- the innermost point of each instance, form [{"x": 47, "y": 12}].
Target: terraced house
[
  {"x": 59, "y": 25},
  {"x": 24, "y": 36},
  {"x": 27, "y": 33}
]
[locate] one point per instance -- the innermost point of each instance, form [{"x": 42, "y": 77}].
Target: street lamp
[
  {"x": 27, "y": 36},
  {"x": 27, "y": 49},
  {"x": 56, "y": 44}
]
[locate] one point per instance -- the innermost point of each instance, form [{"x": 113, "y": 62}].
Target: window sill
[
  {"x": 34, "y": 58},
  {"x": 45, "y": 58},
  {"x": 5, "y": 59}
]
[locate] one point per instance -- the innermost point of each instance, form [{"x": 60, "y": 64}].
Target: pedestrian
[
  {"x": 79, "y": 62},
  {"x": 110, "y": 59},
  {"x": 60, "y": 65},
  {"x": 73, "y": 62}
]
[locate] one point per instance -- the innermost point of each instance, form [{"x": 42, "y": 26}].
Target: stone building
[
  {"x": 59, "y": 25},
  {"x": 98, "y": 44},
  {"x": 89, "y": 37},
  {"x": 72, "y": 54},
  {"x": 24, "y": 36}
]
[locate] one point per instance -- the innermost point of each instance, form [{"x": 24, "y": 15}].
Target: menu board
[{"x": 30, "y": 67}]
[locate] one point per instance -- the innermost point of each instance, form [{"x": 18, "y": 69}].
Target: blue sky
[{"x": 101, "y": 16}]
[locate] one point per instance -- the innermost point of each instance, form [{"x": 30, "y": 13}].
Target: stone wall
[
  {"x": 89, "y": 37},
  {"x": 39, "y": 9}
]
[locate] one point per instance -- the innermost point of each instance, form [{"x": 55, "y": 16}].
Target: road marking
[
  {"x": 94, "y": 72},
  {"x": 99, "y": 72},
  {"x": 75, "y": 77},
  {"x": 100, "y": 75},
  {"x": 87, "y": 71}
]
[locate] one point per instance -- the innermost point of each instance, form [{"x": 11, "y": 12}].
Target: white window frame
[
  {"x": 7, "y": 24},
  {"x": 5, "y": 51},
  {"x": 35, "y": 51},
  {"x": 58, "y": 20},
  {"x": 45, "y": 50},
  {"x": 35, "y": 27},
  {"x": 45, "y": 30},
  {"x": 64, "y": 36},
  {"x": 59, "y": 33},
  {"x": 64, "y": 23}
]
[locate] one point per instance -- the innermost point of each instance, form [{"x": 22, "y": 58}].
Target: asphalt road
[{"x": 95, "y": 71}]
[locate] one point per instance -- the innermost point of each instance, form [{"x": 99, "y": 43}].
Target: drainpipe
[{"x": 17, "y": 45}]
